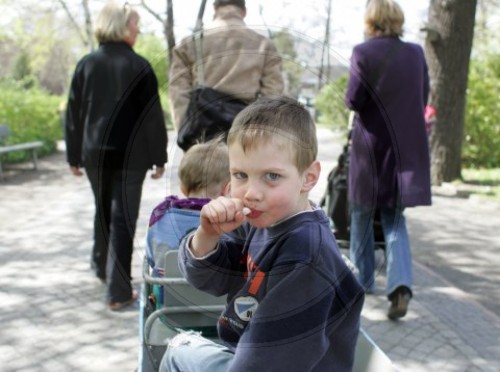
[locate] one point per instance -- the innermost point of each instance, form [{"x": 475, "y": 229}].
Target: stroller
[
  {"x": 168, "y": 302},
  {"x": 185, "y": 308},
  {"x": 336, "y": 205},
  {"x": 191, "y": 309}
]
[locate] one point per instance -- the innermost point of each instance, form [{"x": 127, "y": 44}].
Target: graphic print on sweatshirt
[{"x": 243, "y": 306}]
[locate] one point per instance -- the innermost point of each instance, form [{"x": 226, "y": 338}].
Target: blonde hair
[
  {"x": 112, "y": 21},
  {"x": 384, "y": 18},
  {"x": 205, "y": 168},
  {"x": 282, "y": 121}
]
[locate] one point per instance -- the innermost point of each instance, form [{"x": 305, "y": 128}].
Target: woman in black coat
[{"x": 115, "y": 130}]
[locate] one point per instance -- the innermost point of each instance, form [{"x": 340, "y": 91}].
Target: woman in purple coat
[{"x": 389, "y": 160}]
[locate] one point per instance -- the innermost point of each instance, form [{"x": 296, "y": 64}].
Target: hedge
[{"x": 31, "y": 115}]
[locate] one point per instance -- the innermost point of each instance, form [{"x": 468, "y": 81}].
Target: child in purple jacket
[{"x": 204, "y": 175}]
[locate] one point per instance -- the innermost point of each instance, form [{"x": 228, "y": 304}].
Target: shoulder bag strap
[
  {"x": 198, "y": 51},
  {"x": 198, "y": 45}
]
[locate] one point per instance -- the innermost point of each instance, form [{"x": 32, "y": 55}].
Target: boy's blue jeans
[
  {"x": 397, "y": 247},
  {"x": 190, "y": 352}
]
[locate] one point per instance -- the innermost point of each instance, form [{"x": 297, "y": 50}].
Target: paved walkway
[{"x": 52, "y": 313}]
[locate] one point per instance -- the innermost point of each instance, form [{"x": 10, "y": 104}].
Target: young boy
[
  {"x": 204, "y": 175},
  {"x": 292, "y": 303}
]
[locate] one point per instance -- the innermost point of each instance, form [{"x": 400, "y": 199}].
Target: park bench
[{"x": 25, "y": 146}]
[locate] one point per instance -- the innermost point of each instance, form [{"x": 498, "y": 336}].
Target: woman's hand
[{"x": 158, "y": 173}]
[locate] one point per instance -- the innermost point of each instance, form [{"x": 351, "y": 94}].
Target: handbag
[
  {"x": 210, "y": 112},
  {"x": 334, "y": 201}
]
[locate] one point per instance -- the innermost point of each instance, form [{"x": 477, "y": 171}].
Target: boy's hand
[
  {"x": 222, "y": 215},
  {"x": 219, "y": 216}
]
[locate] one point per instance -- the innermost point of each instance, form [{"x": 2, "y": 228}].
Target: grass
[{"x": 483, "y": 183}]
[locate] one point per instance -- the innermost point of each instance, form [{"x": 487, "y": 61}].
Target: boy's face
[{"x": 268, "y": 182}]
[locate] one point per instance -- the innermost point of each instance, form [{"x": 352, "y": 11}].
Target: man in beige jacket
[{"x": 236, "y": 60}]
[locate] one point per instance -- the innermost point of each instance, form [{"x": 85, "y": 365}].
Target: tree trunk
[
  {"x": 167, "y": 23},
  {"x": 169, "y": 29},
  {"x": 89, "y": 30},
  {"x": 448, "y": 47}
]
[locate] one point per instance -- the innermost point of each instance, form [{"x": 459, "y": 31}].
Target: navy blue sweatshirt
[{"x": 293, "y": 304}]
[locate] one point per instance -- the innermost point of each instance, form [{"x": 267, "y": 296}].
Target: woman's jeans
[
  {"x": 190, "y": 352},
  {"x": 397, "y": 247}
]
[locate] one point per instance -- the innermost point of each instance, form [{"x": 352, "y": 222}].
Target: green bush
[
  {"x": 330, "y": 103},
  {"x": 32, "y": 115},
  {"x": 481, "y": 148},
  {"x": 154, "y": 49}
]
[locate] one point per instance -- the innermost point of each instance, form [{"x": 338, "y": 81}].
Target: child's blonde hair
[
  {"x": 205, "y": 168},
  {"x": 280, "y": 120}
]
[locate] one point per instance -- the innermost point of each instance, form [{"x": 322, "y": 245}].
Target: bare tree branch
[
  {"x": 169, "y": 29},
  {"x": 88, "y": 24},
  {"x": 152, "y": 12},
  {"x": 167, "y": 23},
  {"x": 75, "y": 24},
  {"x": 325, "y": 50}
]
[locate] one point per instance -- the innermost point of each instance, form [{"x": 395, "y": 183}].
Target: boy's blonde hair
[
  {"x": 281, "y": 120},
  {"x": 205, "y": 168},
  {"x": 112, "y": 21},
  {"x": 384, "y": 18}
]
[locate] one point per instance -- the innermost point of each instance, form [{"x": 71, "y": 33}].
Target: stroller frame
[{"x": 185, "y": 308}]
